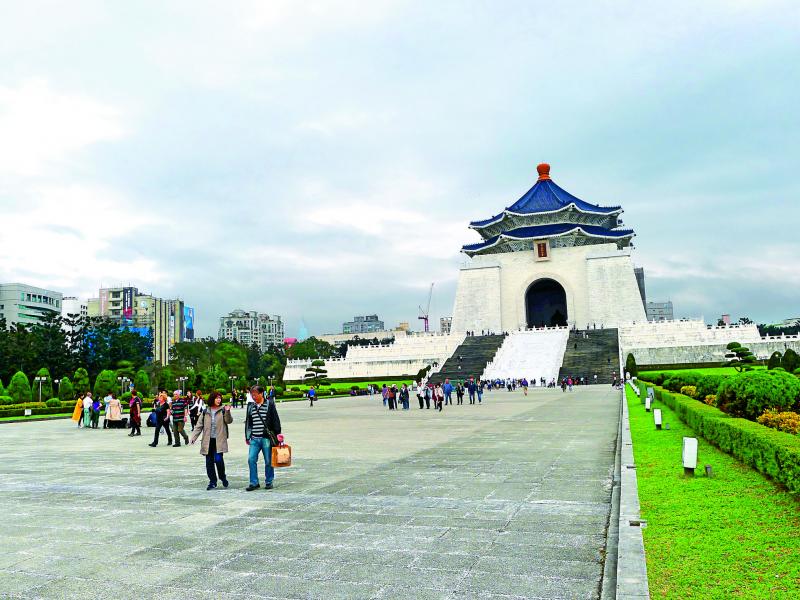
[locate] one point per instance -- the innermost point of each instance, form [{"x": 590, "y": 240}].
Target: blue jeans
[
  {"x": 480, "y": 396},
  {"x": 260, "y": 445}
]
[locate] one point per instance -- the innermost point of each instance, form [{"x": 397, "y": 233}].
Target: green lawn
[{"x": 736, "y": 535}]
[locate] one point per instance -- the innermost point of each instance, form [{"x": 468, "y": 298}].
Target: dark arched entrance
[{"x": 546, "y": 304}]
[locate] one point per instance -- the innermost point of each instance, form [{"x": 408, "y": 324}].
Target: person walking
[
  {"x": 212, "y": 424},
  {"x": 428, "y": 394},
  {"x": 161, "y": 408},
  {"x": 439, "y": 396},
  {"x": 471, "y": 389},
  {"x": 385, "y": 394},
  {"x": 135, "y": 414},
  {"x": 87, "y": 410},
  {"x": 460, "y": 392},
  {"x": 179, "y": 418},
  {"x": 77, "y": 413},
  {"x": 391, "y": 397},
  {"x": 261, "y": 428},
  {"x": 447, "y": 388},
  {"x": 312, "y": 394},
  {"x": 404, "y": 396},
  {"x": 420, "y": 396},
  {"x": 195, "y": 408},
  {"x": 479, "y": 390}
]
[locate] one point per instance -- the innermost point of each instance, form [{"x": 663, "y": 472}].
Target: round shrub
[
  {"x": 19, "y": 388},
  {"x": 750, "y": 393},
  {"x": 710, "y": 399},
  {"x": 53, "y": 402},
  {"x": 689, "y": 390}
]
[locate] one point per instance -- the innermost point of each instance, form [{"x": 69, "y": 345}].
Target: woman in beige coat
[{"x": 212, "y": 424}]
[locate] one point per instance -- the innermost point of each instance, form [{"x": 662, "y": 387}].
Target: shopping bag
[{"x": 282, "y": 456}]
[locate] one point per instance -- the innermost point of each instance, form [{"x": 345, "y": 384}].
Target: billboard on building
[
  {"x": 127, "y": 305},
  {"x": 103, "y": 303},
  {"x": 188, "y": 323}
]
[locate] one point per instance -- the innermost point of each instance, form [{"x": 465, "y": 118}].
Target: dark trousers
[
  {"x": 421, "y": 401},
  {"x": 136, "y": 426},
  {"x": 213, "y": 458},
  {"x": 427, "y": 402},
  {"x": 159, "y": 425},
  {"x": 460, "y": 398},
  {"x": 392, "y": 403},
  {"x": 472, "y": 397},
  {"x": 193, "y": 415},
  {"x": 178, "y": 429}
]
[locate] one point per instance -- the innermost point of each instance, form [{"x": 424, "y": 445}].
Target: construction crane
[{"x": 424, "y": 314}]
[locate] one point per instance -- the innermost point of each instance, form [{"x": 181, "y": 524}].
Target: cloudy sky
[{"x": 322, "y": 159}]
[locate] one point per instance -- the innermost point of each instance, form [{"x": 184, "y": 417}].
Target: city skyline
[{"x": 323, "y": 161}]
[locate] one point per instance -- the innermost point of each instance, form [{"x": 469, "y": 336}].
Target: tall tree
[
  {"x": 43, "y": 388},
  {"x": 141, "y": 382},
  {"x": 19, "y": 388},
  {"x": 65, "y": 390},
  {"x": 81, "y": 381},
  {"x": 105, "y": 383}
]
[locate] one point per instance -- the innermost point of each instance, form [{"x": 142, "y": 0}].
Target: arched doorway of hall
[{"x": 546, "y": 304}]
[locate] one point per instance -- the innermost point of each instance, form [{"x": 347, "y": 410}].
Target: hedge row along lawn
[
  {"x": 736, "y": 535},
  {"x": 645, "y": 374}
]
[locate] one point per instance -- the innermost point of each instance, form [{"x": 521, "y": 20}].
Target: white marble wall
[{"x": 599, "y": 282}]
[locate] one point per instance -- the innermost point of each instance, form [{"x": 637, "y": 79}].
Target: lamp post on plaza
[
  {"x": 40, "y": 381},
  {"x": 232, "y": 378},
  {"x": 181, "y": 380},
  {"x": 122, "y": 382},
  {"x": 58, "y": 388}
]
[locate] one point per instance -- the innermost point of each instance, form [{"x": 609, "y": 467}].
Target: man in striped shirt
[
  {"x": 261, "y": 426},
  {"x": 179, "y": 419}
]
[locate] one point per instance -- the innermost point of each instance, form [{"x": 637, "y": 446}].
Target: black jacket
[{"x": 273, "y": 421}]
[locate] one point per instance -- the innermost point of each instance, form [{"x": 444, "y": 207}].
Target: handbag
[
  {"x": 152, "y": 419},
  {"x": 282, "y": 456}
]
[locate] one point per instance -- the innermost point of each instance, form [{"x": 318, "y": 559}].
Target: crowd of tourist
[{"x": 208, "y": 420}]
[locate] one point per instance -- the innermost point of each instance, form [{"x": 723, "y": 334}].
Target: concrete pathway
[{"x": 509, "y": 499}]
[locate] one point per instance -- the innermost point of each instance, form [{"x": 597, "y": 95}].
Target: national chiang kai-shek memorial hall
[{"x": 548, "y": 259}]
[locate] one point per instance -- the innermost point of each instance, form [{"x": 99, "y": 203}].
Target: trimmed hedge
[{"x": 773, "y": 453}]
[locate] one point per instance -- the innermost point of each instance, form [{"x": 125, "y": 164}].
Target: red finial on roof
[{"x": 544, "y": 171}]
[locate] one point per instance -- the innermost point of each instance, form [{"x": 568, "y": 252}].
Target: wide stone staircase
[
  {"x": 469, "y": 359},
  {"x": 590, "y": 352}
]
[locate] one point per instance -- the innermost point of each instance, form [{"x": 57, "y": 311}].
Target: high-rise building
[
  {"x": 363, "y": 324},
  {"x": 22, "y": 304},
  {"x": 445, "y": 323},
  {"x": 141, "y": 312},
  {"x": 252, "y": 327},
  {"x": 660, "y": 311}
]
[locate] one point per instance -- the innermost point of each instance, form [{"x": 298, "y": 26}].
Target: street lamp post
[
  {"x": 40, "y": 381},
  {"x": 232, "y": 378},
  {"x": 58, "y": 384},
  {"x": 181, "y": 380}
]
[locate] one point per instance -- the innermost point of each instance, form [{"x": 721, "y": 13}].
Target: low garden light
[
  {"x": 689, "y": 456},
  {"x": 709, "y": 471},
  {"x": 657, "y": 418},
  {"x": 647, "y": 403}
]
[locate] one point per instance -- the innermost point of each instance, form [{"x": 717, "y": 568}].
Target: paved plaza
[{"x": 509, "y": 499}]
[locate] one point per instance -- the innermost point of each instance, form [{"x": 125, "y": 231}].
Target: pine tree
[
  {"x": 65, "y": 390},
  {"x": 19, "y": 388}
]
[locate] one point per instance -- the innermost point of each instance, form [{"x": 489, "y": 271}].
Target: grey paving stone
[{"x": 508, "y": 499}]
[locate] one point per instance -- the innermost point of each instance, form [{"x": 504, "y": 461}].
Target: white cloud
[
  {"x": 40, "y": 126},
  {"x": 64, "y": 237}
]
